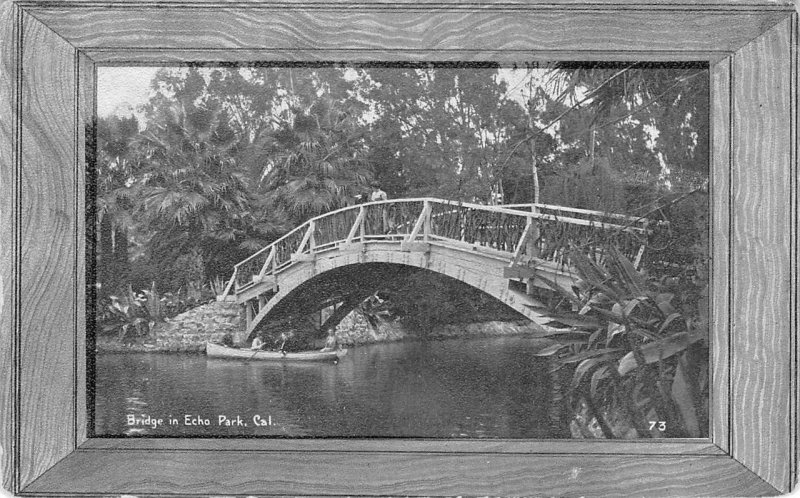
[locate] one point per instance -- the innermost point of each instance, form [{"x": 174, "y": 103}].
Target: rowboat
[{"x": 220, "y": 351}]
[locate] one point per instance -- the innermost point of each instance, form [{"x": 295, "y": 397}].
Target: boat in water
[{"x": 220, "y": 351}]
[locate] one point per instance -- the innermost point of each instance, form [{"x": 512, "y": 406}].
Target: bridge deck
[{"x": 484, "y": 246}]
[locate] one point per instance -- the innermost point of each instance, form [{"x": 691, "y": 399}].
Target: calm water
[{"x": 471, "y": 388}]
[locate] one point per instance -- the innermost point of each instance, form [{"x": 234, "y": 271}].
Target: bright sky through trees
[{"x": 120, "y": 90}]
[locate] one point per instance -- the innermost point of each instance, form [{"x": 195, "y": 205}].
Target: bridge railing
[
  {"x": 382, "y": 220},
  {"x": 585, "y": 214},
  {"x": 478, "y": 225},
  {"x": 545, "y": 233},
  {"x": 392, "y": 220},
  {"x": 548, "y": 232}
]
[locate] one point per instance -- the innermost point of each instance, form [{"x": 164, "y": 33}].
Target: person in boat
[
  {"x": 330, "y": 342},
  {"x": 257, "y": 344},
  {"x": 283, "y": 338},
  {"x": 227, "y": 340}
]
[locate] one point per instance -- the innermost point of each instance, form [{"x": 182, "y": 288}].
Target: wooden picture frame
[{"x": 49, "y": 52}]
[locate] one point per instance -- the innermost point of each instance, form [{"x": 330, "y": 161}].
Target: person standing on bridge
[
  {"x": 380, "y": 195},
  {"x": 377, "y": 193}
]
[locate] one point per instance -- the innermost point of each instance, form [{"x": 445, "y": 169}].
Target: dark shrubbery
[
  {"x": 423, "y": 300},
  {"x": 637, "y": 350},
  {"x": 131, "y": 315}
]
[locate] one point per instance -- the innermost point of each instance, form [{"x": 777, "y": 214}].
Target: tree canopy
[{"x": 221, "y": 161}]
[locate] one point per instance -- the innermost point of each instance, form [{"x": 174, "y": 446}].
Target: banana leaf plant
[
  {"x": 638, "y": 361},
  {"x": 153, "y": 303},
  {"x": 129, "y": 316}
]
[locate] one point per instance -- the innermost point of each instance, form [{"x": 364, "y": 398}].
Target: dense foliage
[
  {"x": 222, "y": 161},
  {"x": 636, "y": 350}
]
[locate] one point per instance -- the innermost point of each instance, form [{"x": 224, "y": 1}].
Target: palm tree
[
  {"x": 190, "y": 195},
  {"x": 312, "y": 161},
  {"x": 115, "y": 166}
]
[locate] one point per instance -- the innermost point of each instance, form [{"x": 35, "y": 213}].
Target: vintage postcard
[
  {"x": 298, "y": 248},
  {"x": 460, "y": 250}
]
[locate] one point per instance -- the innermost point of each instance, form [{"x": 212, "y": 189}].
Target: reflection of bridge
[{"x": 342, "y": 257}]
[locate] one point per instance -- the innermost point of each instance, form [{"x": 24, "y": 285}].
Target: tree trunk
[
  {"x": 534, "y": 166},
  {"x": 533, "y": 236},
  {"x": 105, "y": 257}
]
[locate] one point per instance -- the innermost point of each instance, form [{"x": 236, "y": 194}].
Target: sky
[{"x": 120, "y": 88}]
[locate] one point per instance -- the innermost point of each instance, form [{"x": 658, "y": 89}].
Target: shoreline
[{"x": 387, "y": 332}]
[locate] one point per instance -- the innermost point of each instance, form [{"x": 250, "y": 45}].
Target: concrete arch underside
[{"x": 318, "y": 278}]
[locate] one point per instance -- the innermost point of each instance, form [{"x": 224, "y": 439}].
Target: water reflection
[{"x": 457, "y": 388}]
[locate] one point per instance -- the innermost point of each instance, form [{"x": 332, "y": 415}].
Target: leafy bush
[
  {"x": 131, "y": 316},
  {"x": 188, "y": 269},
  {"x": 680, "y": 248},
  {"x": 638, "y": 360},
  {"x": 217, "y": 285},
  {"x": 171, "y": 274},
  {"x": 127, "y": 316}
]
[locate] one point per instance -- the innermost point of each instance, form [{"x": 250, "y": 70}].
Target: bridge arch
[
  {"x": 501, "y": 250},
  {"x": 347, "y": 279}
]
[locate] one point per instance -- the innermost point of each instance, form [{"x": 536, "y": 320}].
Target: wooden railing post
[
  {"x": 267, "y": 263},
  {"x": 426, "y": 224},
  {"x": 533, "y": 236},
  {"x": 531, "y": 248},
  {"x": 312, "y": 227},
  {"x": 358, "y": 225},
  {"x": 523, "y": 241},
  {"x": 229, "y": 286},
  {"x": 420, "y": 223},
  {"x": 305, "y": 240}
]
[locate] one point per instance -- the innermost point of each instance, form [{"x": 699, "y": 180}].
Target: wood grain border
[{"x": 48, "y": 56}]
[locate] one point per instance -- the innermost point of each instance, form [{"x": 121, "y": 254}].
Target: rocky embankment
[
  {"x": 184, "y": 333},
  {"x": 355, "y": 329},
  {"x": 189, "y": 331}
]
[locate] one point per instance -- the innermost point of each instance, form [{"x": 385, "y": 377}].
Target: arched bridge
[{"x": 342, "y": 257}]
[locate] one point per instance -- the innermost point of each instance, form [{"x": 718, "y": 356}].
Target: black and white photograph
[
  {"x": 420, "y": 250},
  {"x": 396, "y": 248}
]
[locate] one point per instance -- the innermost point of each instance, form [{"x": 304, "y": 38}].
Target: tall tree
[
  {"x": 314, "y": 161},
  {"x": 115, "y": 169},
  {"x": 191, "y": 197},
  {"x": 450, "y": 126},
  {"x": 648, "y": 121}
]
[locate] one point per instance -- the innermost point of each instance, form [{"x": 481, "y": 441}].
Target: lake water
[{"x": 470, "y": 388}]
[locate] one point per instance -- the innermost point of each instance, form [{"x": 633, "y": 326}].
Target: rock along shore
[
  {"x": 189, "y": 331},
  {"x": 184, "y": 333}
]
